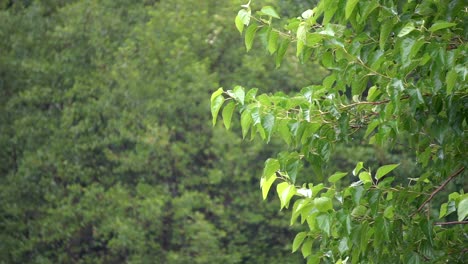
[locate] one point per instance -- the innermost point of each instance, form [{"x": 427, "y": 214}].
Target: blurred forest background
[{"x": 107, "y": 152}]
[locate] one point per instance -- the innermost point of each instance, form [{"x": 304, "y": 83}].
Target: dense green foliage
[
  {"x": 397, "y": 81},
  {"x": 106, "y": 153}
]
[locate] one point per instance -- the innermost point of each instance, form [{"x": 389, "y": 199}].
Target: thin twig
[
  {"x": 455, "y": 174},
  {"x": 451, "y": 223}
]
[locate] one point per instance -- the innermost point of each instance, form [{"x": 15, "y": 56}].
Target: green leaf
[
  {"x": 299, "y": 206},
  {"x": 307, "y": 14},
  {"x": 337, "y": 176},
  {"x": 441, "y": 25},
  {"x": 268, "y": 122},
  {"x": 284, "y": 132},
  {"x": 314, "y": 259},
  {"x": 406, "y": 45},
  {"x": 251, "y": 94},
  {"x": 384, "y": 170},
  {"x": 313, "y": 38},
  {"x": 416, "y": 47},
  {"x": 329, "y": 81},
  {"x": 343, "y": 246},
  {"x": 359, "y": 211},
  {"x": 414, "y": 259},
  {"x": 327, "y": 59},
  {"x": 265, "y": 184},
  {"x": 239, "y": 24},
  {"x": 285, "y": 192},
  {"x": 389, "y": 212},
  {"x": 257, "y": 119},
  {"x": 451, "y": 80},
  {"x": 246, "y": 121},
  {"x": 365, "y": 177},
  {"x": 239, "y": 94},
  {"x": 301, "y": 36},
  {"x": 451, "y": 207},
  {"x": 298, "y": 241},
  {"x": 270, "y": 11},
  {"x": 371, "y": 127},
  {"x": 330, "y": 10},
  {"x": 350, "y": 5},
  {"x": 373, "y": 93},
  {"x": 250, "y": 35},
  {"x": 307, "y": 247},
  {"x": 443, "y": 210},
  {"x": 364, "y": 242},
  {"x": 271, "y": 167},
  {"x": 217, "y": 101},
  {"x": 244, "y": 16},
  {"x": 273, "y": 41},
  {"x": 406, "y": 29},
  {"x": 463, "y": 209},
  {"x": 323, "y": 204},
  {"x": 227, "y": 114},
  {"x": 316, "y": 189},
  {"x": 269, "y": 175},
  {"x": 385, "y": 30},
  {"x": 323, "y": 222},
  {"x": 282, "y": 191},
  {"x": 281, "y": 52},
  {"x": 358, "y": 168},
  {"x": 369, "y": 7}
]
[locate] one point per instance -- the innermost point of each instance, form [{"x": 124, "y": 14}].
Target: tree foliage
[
  {"x": 106, "y": 153},
  {"x": 397, "y": 80}
]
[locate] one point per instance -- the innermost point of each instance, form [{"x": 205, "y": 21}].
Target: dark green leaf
[
  {"x": 385, "y": 30},
  {"x": 250, "y": 35}
]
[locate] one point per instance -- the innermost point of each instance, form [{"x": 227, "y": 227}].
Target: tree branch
[
  {"x": 451, "y": 223},
  {"x": 455, "y": 174}
]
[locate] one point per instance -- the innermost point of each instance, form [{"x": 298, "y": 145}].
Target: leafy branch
[{"x": 441, "y": 187}]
